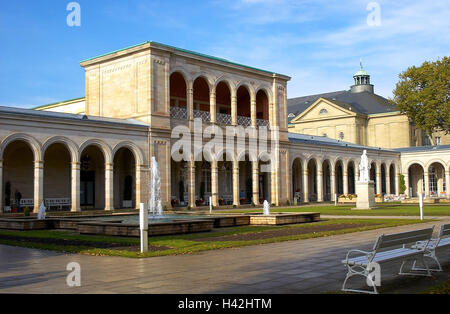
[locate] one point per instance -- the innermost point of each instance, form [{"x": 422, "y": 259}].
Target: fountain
[
  {"x": 41, "y": 212},
  {"x": 155, "y": 206},
  {"x": 266, "y": 208}
]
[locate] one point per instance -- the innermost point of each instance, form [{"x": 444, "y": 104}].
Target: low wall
[
  {"x": 132, "y": 230},
  {"x": 284, "y": 219}
]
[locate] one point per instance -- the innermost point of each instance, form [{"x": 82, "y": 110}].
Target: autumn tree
[{"x": 423, "y": 94}]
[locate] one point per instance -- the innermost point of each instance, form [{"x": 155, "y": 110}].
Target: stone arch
[
  {"x": 70, "y": 145},
  {"x": 409, "y": 164},
  {"x": 248, "y": 86},
  {"x": 225, "y": 79},
  {"x": 104, "y": 148},
  {"x": 435, "y": 161},
  {"x": 30, "y": 140},
  {"x": 206, "y": 77},
  {"x": 230, "y": 154},
  {"x": 183, "y": 72},
  {"x": 267, "y": 90},
  {"x": 138, "y": 155}
]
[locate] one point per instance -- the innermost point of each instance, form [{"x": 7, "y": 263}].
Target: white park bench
[
  {"x": 388, "y": 248},
  {"x": 443, "y": 240},
  {"x": 24, "y": 202},
  {"x": 57, "y": 202}
]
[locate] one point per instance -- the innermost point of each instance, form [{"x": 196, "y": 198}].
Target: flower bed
[{"x": 352, "y": 198}]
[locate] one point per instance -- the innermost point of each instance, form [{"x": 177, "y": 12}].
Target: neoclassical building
[
  {"x": 359, "y": 116},
  {"x": 94, "y": 152}
]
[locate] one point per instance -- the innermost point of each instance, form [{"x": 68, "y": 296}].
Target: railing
[
  {"x": 181, "y": 113},
  {"x": 244, "y": 121},
  {"x": 178, "y": 113},
  {"x": 204, "y": 115},
  {"x": 223, "y": 118},
  {"x": 261, "y": 122}
]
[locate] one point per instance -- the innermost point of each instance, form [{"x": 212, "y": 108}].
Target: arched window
[
  {"x": 323, "y": 112},
  {"x": 341, "y": 135}
]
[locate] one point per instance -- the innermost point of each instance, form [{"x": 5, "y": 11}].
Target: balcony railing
[
  {"x": 261, "y": 122},
  {"x": 178, "y": 113},
  {"x": 181, "y": 113},
  {"x": 244, "y": 121},
  {"x": 223, "y": 118},
  {"x": 204, "y": 115}
]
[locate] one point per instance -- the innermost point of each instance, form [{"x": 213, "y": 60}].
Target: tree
[{"x": 423, "y": 94}]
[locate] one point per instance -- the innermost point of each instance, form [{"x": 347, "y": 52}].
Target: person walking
[{"x": 18, "y": 197}]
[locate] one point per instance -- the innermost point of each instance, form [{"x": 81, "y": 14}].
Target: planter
[{"x": 347, "y": 200}]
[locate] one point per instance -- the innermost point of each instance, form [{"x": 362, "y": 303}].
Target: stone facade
[{"x": 97, "y": 158}]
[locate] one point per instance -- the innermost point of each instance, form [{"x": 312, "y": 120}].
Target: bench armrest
[
  {"x": 368, "y": 254},
  {"x": 425, "y": 245}
]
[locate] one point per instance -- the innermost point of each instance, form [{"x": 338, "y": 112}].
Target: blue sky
[{"x": 318, "y": 43}]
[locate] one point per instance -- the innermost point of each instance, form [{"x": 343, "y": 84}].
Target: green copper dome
[{"x": 361, "y": 71}]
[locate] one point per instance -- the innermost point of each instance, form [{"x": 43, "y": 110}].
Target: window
[
  {"x": 341, "y": 135},
  {"x": 323, "y": 111},
  {"x": 438, "y": 141}
]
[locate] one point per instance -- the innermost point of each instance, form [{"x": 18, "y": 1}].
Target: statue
[{"x": 364, "y": 168}]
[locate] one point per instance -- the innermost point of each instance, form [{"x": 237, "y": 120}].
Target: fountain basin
[
  {"x": 154, "y": 229},
  {"x": 284, "y": 218}
]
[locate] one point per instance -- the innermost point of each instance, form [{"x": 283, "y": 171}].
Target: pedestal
[{"x": 366, "y": 195}]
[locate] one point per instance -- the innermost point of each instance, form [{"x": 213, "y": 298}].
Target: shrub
[
  {"x": 402, "y": 184},
  {"x": 27, "y": 212}
]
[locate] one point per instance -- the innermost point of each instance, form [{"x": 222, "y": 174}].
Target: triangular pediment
[{"x": 323, "y": 109}]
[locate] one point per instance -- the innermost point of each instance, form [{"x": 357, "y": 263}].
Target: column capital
[{"x": 38, "y": 164}]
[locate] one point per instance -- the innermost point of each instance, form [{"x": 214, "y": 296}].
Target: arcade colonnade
[
  {"x": 88, "y": 175},
  {"x": 221, "y": 101},
  {"x": 319, "y": 178},
  {"x": 430, "y": 177}
]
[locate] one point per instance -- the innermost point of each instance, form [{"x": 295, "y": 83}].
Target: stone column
[
  {"x": 76, "y": 166},
  {"x": 388, "y": 180},
  {"x": 38, "y": 185},
  {"x": 236, "y": 201},
  {"x": 233, "y": 107},
  {"x": 1, "y": 186},
  {"x": 407, "y": 185},
  {"x": 447, "y": 182},
  {"x": 333, "y": 184},
  {"x": 253, "y": 109},
  {"x": 319, "y": 183},
  {"x": 109, "y": 186},
  {"x": 214, "y": 183},
  {"x": 192, "y": 184},
  {"x": 427, "y": 184},
  {"x": 305, "y": 186},
  {"x": 255, "y": 182},
  {"x": 212, "y": 106},
  {"x": 345, "y": 177},
  {"x": 190, "y": 104},
  {"x": 378, "y": 178},
  {"x": 139, "y": 199},
  {"x": 397, "y": 184}
]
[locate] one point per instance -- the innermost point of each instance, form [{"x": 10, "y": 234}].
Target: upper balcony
[{"x": 220, "y": 104}]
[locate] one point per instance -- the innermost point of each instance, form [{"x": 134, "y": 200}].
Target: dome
[{"x": 361, "y": 72}]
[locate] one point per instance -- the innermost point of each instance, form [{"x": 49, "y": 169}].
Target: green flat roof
[
  {"x": 58, "y": 103},
  {"x": 183, "y": 50}
]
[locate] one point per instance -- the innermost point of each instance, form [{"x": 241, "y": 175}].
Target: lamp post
[{"x": 143, "y": 218}]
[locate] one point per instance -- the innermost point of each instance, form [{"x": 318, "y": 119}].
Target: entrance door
[{"x": 87, "y": 188}]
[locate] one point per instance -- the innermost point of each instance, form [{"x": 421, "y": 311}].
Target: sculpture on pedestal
[
  {"x": 365, "y": 189},
  {"x": 364, "y": 168}
]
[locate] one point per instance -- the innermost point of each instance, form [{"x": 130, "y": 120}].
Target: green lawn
[
  {"x": 191, "y": 243},
  {"x": 382, "y": 210}
]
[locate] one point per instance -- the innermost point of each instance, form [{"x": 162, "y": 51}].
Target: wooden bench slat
[{"x": 391, "y": 240}]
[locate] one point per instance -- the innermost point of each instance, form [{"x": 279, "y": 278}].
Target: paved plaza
[{"x": 306, "y": 266}]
